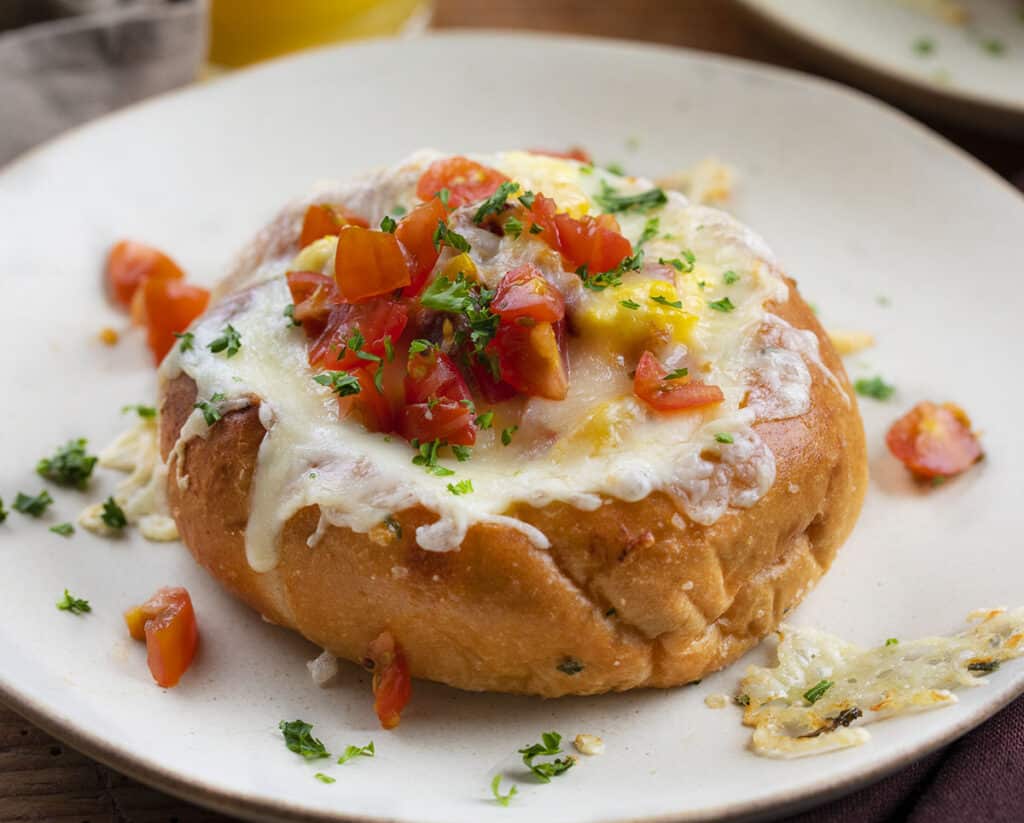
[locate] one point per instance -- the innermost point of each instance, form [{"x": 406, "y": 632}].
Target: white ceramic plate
[
  {"x": 857, "y": 199},
  {"x": 972, "y": 72}
]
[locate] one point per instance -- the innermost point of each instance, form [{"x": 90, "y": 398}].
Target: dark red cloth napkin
[{"x": 980, "y": 777}]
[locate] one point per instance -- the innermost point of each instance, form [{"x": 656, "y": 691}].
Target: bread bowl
[{"x": 674, "y": 458}]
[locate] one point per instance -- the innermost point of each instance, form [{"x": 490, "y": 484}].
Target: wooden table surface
[{"x": 43, "y": 780}]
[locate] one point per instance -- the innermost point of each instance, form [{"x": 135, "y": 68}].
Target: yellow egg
[
  {"x": 552, "y": 176},
  {"x": 460, "y": 264},
  {"x": 602, "y": 429},
  {"x": 627, "y": 316},
  {"x": 315, "y": 256}
]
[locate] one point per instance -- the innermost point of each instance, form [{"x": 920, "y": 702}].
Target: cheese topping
[
  {"x": 823, "y": 689},
  {"x": 701, "y": 294}
]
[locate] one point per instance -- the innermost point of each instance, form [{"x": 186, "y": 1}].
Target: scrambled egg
[
  {"x": 824, "y": 689},
  {"x": 557, "y": 179},
  {"x": 631, "y": 314}
]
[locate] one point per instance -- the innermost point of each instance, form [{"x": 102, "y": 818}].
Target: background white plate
[
  {"x": 974, "y": 73},
  {"x": 857, "y": 199}
]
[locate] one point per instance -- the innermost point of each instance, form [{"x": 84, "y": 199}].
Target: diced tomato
[
  {"x": 392, "y": 685},
  {"x": 934, "y": 440},
  {"x": 314, "y": 295},
  {"x": 525, "y": 292},
  {"x": 368, "y": 264},
  {"x": 322, "y": 219},
  {"x": 166, "y": 307},
  {"x": 466, "y": 180},
  {"x": 592, "y": 242},
  {"x": 572, "y": 153},
  {"x": 447, "y": 420},
  {"x": 167, "y": 622},
  {"x": 530, "y": 359},
  {"x": 416, "y": 234},
  {"x": 493, "y": 390},
  {"x": 375, "y": 321},
  {"x": 651, "y": 386},
  {"x": 433, "y": 375},
  {"x": 542, "y": 214},
  {"x": 130, "y": 263},
  {"x": 370, "y": 406}
]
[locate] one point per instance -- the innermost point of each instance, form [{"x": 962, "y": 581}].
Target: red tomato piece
[
  {"x": 446, "y": 420},
  {"x": 542, "y": 214},
  {"x": 433, "y": 375},
  {"x": 530, "y": 359},
  {"x": 314, "y": 295},
  {"x": 572, "y": 153},
  {"x": 167, "y": 622},
  {"x": 322, "y": 220},
  {"x": 934, "y": 440},
  {"x": 371, "y": 406},
  {"x": 416, "y": 234},
  {"x": 466, "y": 180},
  {"x": 525, "y": 292},
  {"x": 130, "y": 263},
  {"x": 375, "y": 321},
  {"x": 368, "y": 264},
  {"x": 493, "y": 390},
  {"x": 166, "y": 307},
  {"x": 392, "y": 684},
  {"x": 676, "y": 394},
  {"x": 592, "y": 242}
]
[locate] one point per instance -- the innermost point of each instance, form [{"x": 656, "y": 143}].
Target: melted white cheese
[
  {"x": 310, "y": 457},
  {"x": 867, "y": 684}
]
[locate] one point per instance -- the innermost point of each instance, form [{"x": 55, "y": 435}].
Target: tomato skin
[
  {"x": 167, "y": 307},
  {"x": 167, "y": 622},
  {"x": 416, "y": 234},
  {"x": 433, "y": 375},
  {"x": 313, "y": 295},
  {"x": 493, "y": 391},
  {"x": 129, "y": 264},
  {"x": 934, "y": 440},
  {"x": 392, "y": 684},
  {"x": 650, "y": 385},
  {"x": 466, "y": 180},
  {"x": 376, "y": 321},
  {"x": 572, "y": 153},
  {"x": 530, "y": 359},
  {"x": 525, "y": 292},
  {"x": 371, "y": 407},
  {"x": 592, "y": 242},
  {"x": 322, "y": 220},
  {"x": 368, "y": 264},
  {"x": 447, "y": 420}
]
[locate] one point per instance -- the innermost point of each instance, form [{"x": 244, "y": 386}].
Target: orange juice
[{"x": 245, "y": 31}]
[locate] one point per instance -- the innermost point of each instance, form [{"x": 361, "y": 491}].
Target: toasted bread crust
[{"x": 623, "y": 592}]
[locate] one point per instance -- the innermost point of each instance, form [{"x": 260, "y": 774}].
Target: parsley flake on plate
[
  {"x": 324, "y": 778},
  {"x": 298, "y": 738},
  {"x": 874, "y": 387},
  {"x": 113, "y": 515},
  {"x": 550, "y": 745},
  {"x": 34, "y": 506},
  {"x": 3, "y": 511},
  {"x": 357, "y": 751},
  {"x": 145, "y": 412},
  {"x": 63, "y": 529},
  {"x": 75, "y": 605},
  {"x": 502, "y": 799},
  {"x": 70, "y": 465}
]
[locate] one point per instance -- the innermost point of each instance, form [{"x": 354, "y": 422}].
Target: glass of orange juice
[{"x": 246, "y": 31}]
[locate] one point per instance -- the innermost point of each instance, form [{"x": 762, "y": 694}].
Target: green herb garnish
[
  {"x": 34, "y": 506},
  {"x": 723, "y": 437},
  {"x": 75, "y": 605},
  {"x": 536, "y": 228},
  {"x": 730, "y": 277},
  {"x": 63, "y": 529},
  {"x": 113, "y": 515},
  {"x": 393, "y": 526},
  {"x": 983, "y": 666},
  {"x": 676, "y": 374},
  {"x": 664, "y": 301},
  {"x": 496, "y": 202},
  {"x": 506, "y": 434},
  {"x": 651, "y": 229},
  {"x": 924, "y": 46},
  {"x": 513, "y": 227},
  {"x": 527, "y": 198},
  {"x": 298, "y": 738},
  {"x": 723, "y": 305},
  {"x": 502, "y": 799},
  {"x": 209, "y": 408},
  {"x": 341, "y": 383},
  {"x": 187, "y": 340},
  {"x": 3, "y": 511},
  {"x": 462, "y": 487},
  {"x": 420, "y": 345},
  {"x": 611, "y": 201},
  {"x": 892, "y": 641},
  {"x": 632, "y": 305},
  {"x": 229, "y": 342},
  {"x": 427, "y": 458},
  {"x": 145, "y": 412},
  {"x": 289, "y": 312},
  {"x": 684, "y": 263},
  {"x": 462, "y": 454},
  {"x": 324, "y": 778},
  {"x": 357, "y": 751},
  {"x": 388, "y": 224},
  {"x": 69, "y": 466},
  {"x": 549, "y": 746},
  {"x": 817, "y": 691},
  {"x": 485, "y": 420},
  {"x": 874, "y": 387},
  {"x": 442, "y": 234}
]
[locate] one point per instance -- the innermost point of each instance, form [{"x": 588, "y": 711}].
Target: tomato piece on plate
[
  {"x": 433, "y": 375},
  {"x": 594, "y": 242},
  {"x": 416, "y": 234},
  {"x": 530, "y": 359},
  {"x": 166, "y": 307},
  {"x": 322, "y": 220},
  {"x": 934, "y": 440},
  {"x": 493, "y": 389},
  {"x": 525, "y": 292},
  {"x": 375, "y": 322},
  {"x": 392, "y": 684},
  {"x": 167, "y": 622},
  {"x": 652, "y": 386},
  {"x": 446, "y": 420},
  {"x": 130, "y": 263},
  {"x": 368, "y": 264},
  {"x": 371, "y": 406},
  {"x": 572, "y": 153},
  {"x": 466, "y": 180},
  {"x": 313, "y": 295}
]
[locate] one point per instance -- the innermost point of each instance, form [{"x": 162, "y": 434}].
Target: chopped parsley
[
  {"x": 616, "y": 168},
  {"x": 723, "y": 437},
  {"x": 63, "y": 529},
  {"x": 427, "y": 458},
  {"x": 229, "y": 342},
  {"x": 676, "y": 374},
  {"x": 473, "y": 303},
  {"x": 145, "y": 412},
  {"x": 611, "y": 201},
  {"x": 723, "y": 305},
  {"x": 651, "y": 229},
  {"x": 34, "y": 506},
  {"x": 356, "y": 751},
  {"x": 513, "y": 228},
  {"x": 600, "y": 281},
  {"x": 993, "y": 46},
  {"x": 341, "y": 383},
  {"x": 570, "y": 666},
  {"x": 444, "y": 196},
  {"x": 393, "y": 526},
  {"x": 485, "y": 420},
  {"x": 462, "y": 454},
  {"x": 69, "y": 466},
  {"x": 683, "y": 263},
  {"x": 730, "y": 277},
  {"x": 817, "y": 691},
  {"x": 447, "y": 295},
  {"x": 527, "y": 198},
  {"x": 496, "y": 202},
  {"x": 924, "y": 46},
  {"x": 289, "y": 312},
  {"x": 443, "y": 234},
  {"x": 742, "y": 700},
  {"x": 550, "y": 745},
  {"x": 75, "y": 605},
  {"x": 388, "y": 224},
  {"x": 983, "y": 666},
  {"x": 399, "y": 211},
  {"x": 892, "y": 641},
  {"x": 502, "y": 799},
  {"x": 187, "y": 341},
  {"x": 874, "y": 387},
  {"x": 419, "y": 345},
  {"x": 536, "y": 228},
  {"x": 298, "y": 738},
  {"x": 664, "y": 301},
  {"x": 209, "y": 408},
  {"x": 324, "y": 778},
  {"x": 113, "y": 515},
  {"x": 632, "y": 305},
  {"x": 3, "y": 511},
  {"x": 462, "y": 487},
  {"x": 506, "y": 435}
]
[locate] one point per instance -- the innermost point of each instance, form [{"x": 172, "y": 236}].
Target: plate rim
[{"x": 208, "y": 794}]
